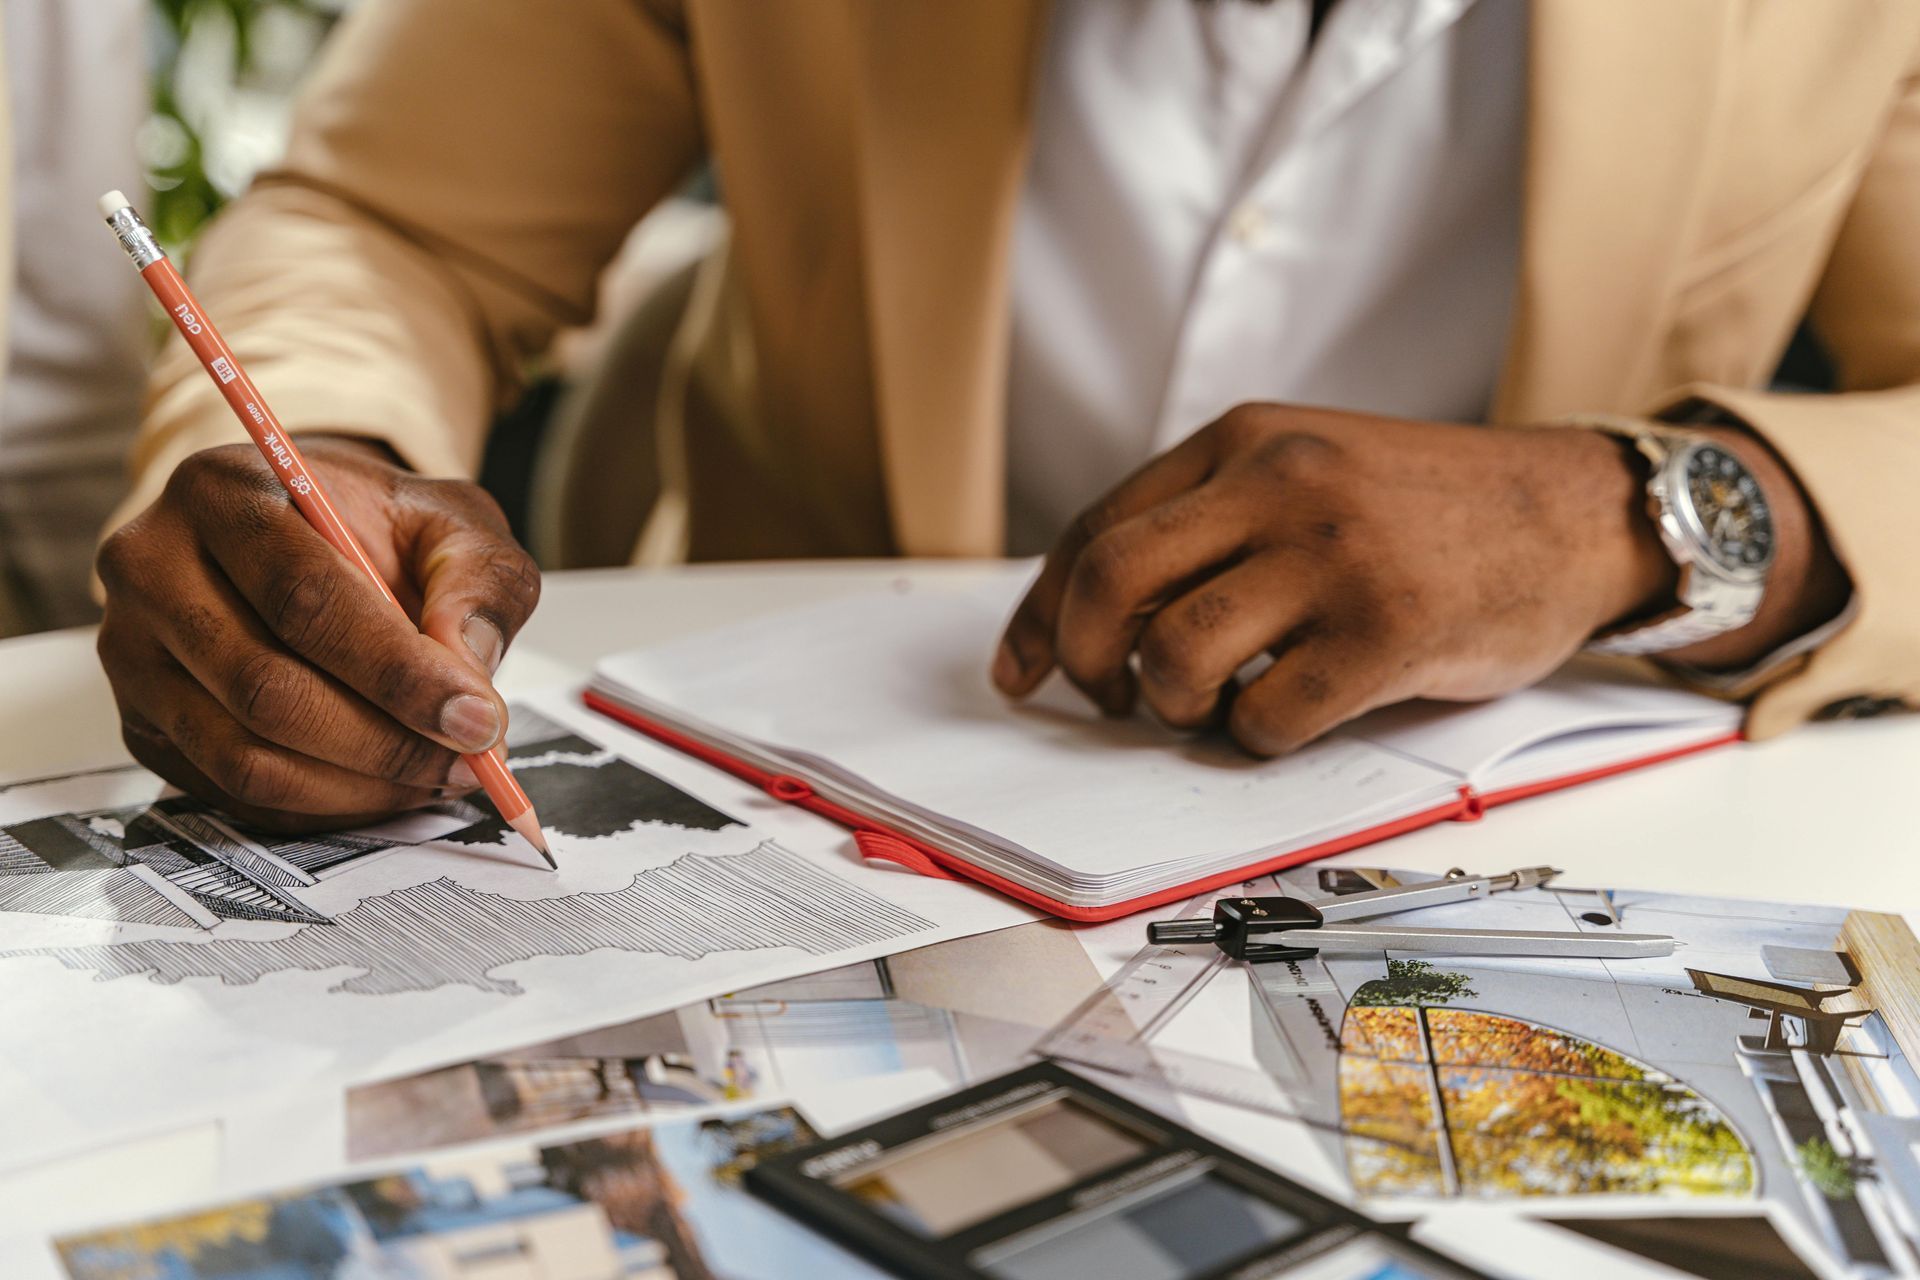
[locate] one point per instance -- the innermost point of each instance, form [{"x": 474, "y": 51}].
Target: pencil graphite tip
[
  {"x": 112, "y": 203},
  {"x": 529, "y": 828}
]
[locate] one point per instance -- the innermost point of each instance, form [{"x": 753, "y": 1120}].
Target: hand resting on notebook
[{"x": 1375, "y": 560}]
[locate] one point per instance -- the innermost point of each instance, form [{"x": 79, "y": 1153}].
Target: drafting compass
[{"x": 1257, "y": 930}]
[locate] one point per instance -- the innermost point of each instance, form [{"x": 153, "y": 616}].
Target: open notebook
[{"x": 877, "y": 711}]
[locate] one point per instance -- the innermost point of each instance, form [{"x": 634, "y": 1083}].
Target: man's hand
[
  {"x": 258, "y": 670},
  {"x": 1374, "y": 559}
]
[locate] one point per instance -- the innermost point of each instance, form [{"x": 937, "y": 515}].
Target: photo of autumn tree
[{"x": 1460, "y": 1102}]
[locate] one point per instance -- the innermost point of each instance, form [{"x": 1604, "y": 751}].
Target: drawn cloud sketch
[
  {"x": 144, "y": 927},
  {"x": 174, "y": 861},
  {"x": 178, "y": 862}
]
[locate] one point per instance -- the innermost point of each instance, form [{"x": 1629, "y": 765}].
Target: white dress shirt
[{"x": 1217, "y": 213}]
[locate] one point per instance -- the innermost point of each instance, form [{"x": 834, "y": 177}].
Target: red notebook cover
[{"x": 885, "y": 844}]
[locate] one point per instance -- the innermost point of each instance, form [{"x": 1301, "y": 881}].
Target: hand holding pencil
[{"x": 277, "y": 673}]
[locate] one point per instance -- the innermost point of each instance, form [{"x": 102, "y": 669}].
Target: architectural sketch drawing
[
  {"x": 443, "y": 933},
  {"x": 173, "y": 861},
  {"x": 142, "y": 928}
]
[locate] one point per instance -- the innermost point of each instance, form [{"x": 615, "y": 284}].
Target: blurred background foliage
[{"x": 223, "y": 74}]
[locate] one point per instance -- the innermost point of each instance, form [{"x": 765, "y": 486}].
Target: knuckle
[
  {"x": 1300, "y": 457},
  {"x": 109, "y": 645},
  {"x": 513, "y": 581},
  {"x": 403, "y": 688},
  {"x": 187, "y": 732},
  {"x": 1087, "y": 527},
  {"x": 188, "y": 477},
  {"x": 464, "y": 496},
  {"x": 1191, "y": 510},
  {"x": 1313, "y": 686},
  {"x": 138, "y": 559},
  {"x": 302, "y": 607},
  {"x": 1207, "y": 611},
  {"x": 1102, "y": 571},
  {"x": 450, "y": 506},
  {"x": 257, "y": 775},
  {"x": 408, "y": 757},
  {"x": 209, "y": 477},
  {"x": 1081, "y": 530},
  {"x": 1380, "y": 617},
  {"x": 1169, "y": 655},
  {"x": 1242, "y": 427},
  {"x": 115, "y": 560},
  {"x": 272, "y": 695}
]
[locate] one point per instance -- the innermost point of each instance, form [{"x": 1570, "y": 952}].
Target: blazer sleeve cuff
[
  {"x": 1857, "y": 458},
  {"x": 190, "y": 415}
]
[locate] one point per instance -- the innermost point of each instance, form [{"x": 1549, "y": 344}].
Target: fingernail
[
  {"x": 485, "y": 640},
  {"x": 1007, "y": 667},
  {"x": 462, "y": 777},
  {"x": 471, "y": 722}
]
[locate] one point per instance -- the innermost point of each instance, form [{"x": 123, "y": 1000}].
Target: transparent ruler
[{"x": 1114, "y": 1029}]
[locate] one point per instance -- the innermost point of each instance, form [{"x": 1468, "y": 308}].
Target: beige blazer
[{"x": 1700, "y": 173}]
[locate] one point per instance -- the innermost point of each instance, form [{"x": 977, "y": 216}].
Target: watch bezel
[{"x": 1679, "y": 501}]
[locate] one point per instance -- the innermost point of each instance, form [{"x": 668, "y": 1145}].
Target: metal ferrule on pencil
[{"x": 135, "y": 238}]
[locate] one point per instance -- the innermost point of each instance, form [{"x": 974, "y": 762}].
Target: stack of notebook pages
[{"x": 877, "y": 710}]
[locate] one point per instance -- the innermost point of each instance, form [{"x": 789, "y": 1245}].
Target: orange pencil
[{"x": 284, "y": 457}]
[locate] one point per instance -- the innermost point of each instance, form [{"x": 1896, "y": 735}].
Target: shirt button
[{"x": 1248, "y": 224}]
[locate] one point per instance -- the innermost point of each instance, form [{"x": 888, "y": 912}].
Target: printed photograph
[
  {"x": 1770, "y": 1059},
  {"x": 967, "y": 1009},
  {"x": 650, "y": 1204}
]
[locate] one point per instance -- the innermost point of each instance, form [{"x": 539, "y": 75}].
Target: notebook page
[
  {"x": 893, "y": 689},
  {"x": 1578, "y": 753},
  {"x": 1585, "y": 716}
]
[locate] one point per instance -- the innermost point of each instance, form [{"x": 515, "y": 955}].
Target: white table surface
[{"x": 1825, "y": 813}]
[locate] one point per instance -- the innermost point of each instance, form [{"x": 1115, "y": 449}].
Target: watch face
[{"x": 1730, "y": 513}]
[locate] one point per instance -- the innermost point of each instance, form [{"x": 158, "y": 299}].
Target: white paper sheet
[{"x": 675, "y": 883}]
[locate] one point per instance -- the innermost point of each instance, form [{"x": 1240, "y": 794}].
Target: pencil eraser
[{"x": 112, "y": 203}]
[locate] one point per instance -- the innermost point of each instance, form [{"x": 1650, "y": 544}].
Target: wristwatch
[{"x": 1715, "y": 523}]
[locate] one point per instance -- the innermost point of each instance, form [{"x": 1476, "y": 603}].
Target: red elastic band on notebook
[
  {"x": 878, "y": 846},
  {"x": 784, "y": 786}
]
